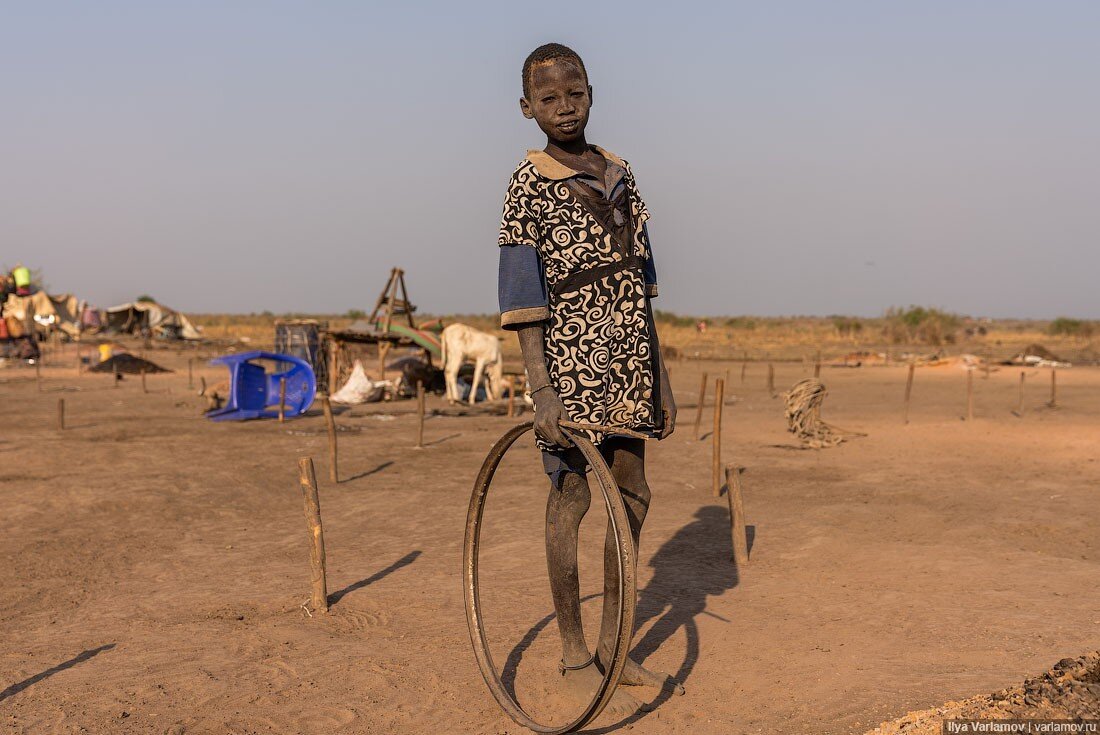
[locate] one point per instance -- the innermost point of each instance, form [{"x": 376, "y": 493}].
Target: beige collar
[{"x": 550, "y": 168}]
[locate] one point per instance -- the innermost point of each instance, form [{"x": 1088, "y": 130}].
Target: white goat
[{"x": 461, "y": 343}]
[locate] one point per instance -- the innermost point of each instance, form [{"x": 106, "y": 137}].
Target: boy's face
[{"x": 559, "y": 101}]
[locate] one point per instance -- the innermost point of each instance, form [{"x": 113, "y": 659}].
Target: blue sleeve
[
  {"x": 650, "y": 271},
  {"x": 521, "y": 289}
]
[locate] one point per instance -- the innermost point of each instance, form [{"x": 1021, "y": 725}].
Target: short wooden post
[
  {"x": 1054, "y": 387},
  {"x": 419, "y": 415},
  {"x": 60, "y": 414},
  {"x": 383, "y": 350},
  {"x": 744, "y": 366},
  {"x": 117, "y": 376},
  {"x": 511, "y": 397},
  {"x": 79, "y": 359},
  {"x": 144, "y": 388},
  {"x": 1020, "y": 403},
  {"x": 190, "y": 373},
  {"x": 771, "y": 380},
  {"x": 333, "y": 365},
  {"x": 330, "y": 423},
  {"x": 817, "y": 365},
  {"x": 970, "y": 394},
  {"x": 282, "y": 400},
  {"x": 716, "y": 436},
  {"x": 909, "y": 389},
  {"x": 312, "y": 503},
  {"x": 699, "y": 406},
  {"x": 38, "y": 373},
  {"x": 737, "y": 514},
  {"x": 202, "y": 383}
]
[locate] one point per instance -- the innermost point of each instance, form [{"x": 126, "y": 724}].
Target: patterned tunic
[{"x": 569, "y": 259}]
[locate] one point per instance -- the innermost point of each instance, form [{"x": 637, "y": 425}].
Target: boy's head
[{"x": 556, "y": 93}]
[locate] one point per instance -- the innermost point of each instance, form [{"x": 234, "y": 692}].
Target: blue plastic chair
[{"x": 254, "y": 392}]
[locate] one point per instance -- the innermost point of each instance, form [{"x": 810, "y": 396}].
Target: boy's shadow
[{"x": 695, "y": 563}]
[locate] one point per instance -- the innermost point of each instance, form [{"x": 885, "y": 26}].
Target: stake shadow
[
  {"x": 368, "y": 473},
  {"x": 404, "y": 561},
  {"x": 442, "y": 439},
  {"x": 20, "y": 686}
]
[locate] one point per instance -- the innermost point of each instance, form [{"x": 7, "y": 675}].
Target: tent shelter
[
  {"x": 151, "y": 319},
  {"x": 47, "y": 312}
]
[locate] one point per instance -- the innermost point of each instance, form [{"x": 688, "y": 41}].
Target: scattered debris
[
  {"x": 804, "y": 416},
  {"x": 1035, "y": 355},
  {"x": 361, "y": 389}
]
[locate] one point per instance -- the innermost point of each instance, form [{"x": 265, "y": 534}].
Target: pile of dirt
[
  {"x": 1036, "y": 354},
  {"x": 127, "y": 363},
  {"x": 1071, "y": 690}
]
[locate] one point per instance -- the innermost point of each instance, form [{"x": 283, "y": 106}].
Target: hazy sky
[{"x": 797, "y": 157}]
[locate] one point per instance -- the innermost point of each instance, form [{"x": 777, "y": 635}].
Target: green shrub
[
  {"x": 1066, "y": 327},
  {"x": 921, "y": 324}
]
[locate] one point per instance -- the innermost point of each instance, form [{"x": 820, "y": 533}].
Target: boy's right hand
[{"x": 549, "y": 410}]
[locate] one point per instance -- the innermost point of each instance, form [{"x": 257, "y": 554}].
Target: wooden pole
[
  {"x": 144, "y": 388},
  {"x": 737, "y": 514},
  {"x": 38, "y": 373},
  {"x": 282, "y": 400},
  {"x": 190, "y": 373},
  {"x": 744, "y": 366},
  {"x": 79, "y": 359},
  {"x": 771, "y": 380},
  {"x": 817, "y": 365},
  {"x": 117, "y": 377},
  {"x": 1054, "y": 387},
  {"x": 312, "y": 503},
  {"x": 699, "y": 406},
  {"x": 909, "y": 389},
  {"x": 420, "y": 415},
  {"x": 1020, "y": 403},
  {"x": 716, "y": 436},
  {"x": 969, "y": 395},
  {"x": 333, "y": 365},
  {"x": 511, "y": 397},
  {"x": 60, "y": 414},
  {"x": 330, "y": 423}
]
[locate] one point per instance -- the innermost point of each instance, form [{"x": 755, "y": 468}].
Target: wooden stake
[
  {"x": 202, "y": 383},
  {"x": 312, "y": 503},
  {"x": 699, "y": 406},
  {"x": 737, "y": 514},
  {"x": 333, "y": 366},
  {"x": 744, "y": 366},
  {"x": 190, "y": 373},
  {"x": 771, "y": 380},
  {"x": 909, "y": 389},
  {"x": 969, "y": 395},
  {"x": 1054, "y": 387},
  {"x": 60, "y": 414},
  {"x": 420, "y": 415},
  {"x": 1020, "y": 403},
  {"x": 716, "y": 436},
  {"x": 144, "y": 388},
  {"x": 117, "y": 378},
  {"x": 79, "y": 359},
  {"x": 817, "y": 365},
  {"x": 282, "y": 400},
  {"x": 38, "y": 373},
  {"x": 511, "y": 397},
  {"x": 330, "y": 422}
]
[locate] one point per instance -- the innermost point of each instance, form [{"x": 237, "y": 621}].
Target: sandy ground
[{"x": 154, "y": 563}]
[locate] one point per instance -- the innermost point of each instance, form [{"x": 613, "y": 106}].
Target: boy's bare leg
[
  {"x": 568, "y": 502},
  {"x": 626, "y": 459}
]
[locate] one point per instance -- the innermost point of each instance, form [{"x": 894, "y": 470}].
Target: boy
[{"x": 576, "y": 278}]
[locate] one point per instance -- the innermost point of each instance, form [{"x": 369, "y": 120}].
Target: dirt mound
[
  {"x": 127, "y": 363},
  {"x": 1069, "y": 691}
]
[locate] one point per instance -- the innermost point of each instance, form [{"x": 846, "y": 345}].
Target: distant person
[
  {"x": 701, "y": 327},
  {"x": 575, "y": 281}
]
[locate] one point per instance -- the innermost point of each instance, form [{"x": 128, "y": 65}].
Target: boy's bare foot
[
  {"x": 581, "y": 684},
  {"x": 636, "y": 675}
]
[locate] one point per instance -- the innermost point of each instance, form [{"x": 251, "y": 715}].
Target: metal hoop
[{"x": 620, "y": 527}]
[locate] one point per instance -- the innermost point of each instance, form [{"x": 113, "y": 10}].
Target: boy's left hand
[{"x": 670, "y": 420}]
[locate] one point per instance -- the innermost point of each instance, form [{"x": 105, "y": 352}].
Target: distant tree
[
  {"x": 146, "y": 298},
  {"x": 1063, "y": 326},
  {"x": 356, "y": 314}
]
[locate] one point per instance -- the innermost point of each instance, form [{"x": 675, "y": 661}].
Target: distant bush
[
  {"x": 847, "y": 326},
  {"x": 921, "y": 324},
  {"x": 1063, "y": 326},
  {"x": 674, "y": 320},
  {"x": 146, "y": 298},
  {"x": 355, "y": 314},
  {"x": 741, "y": 322}
]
